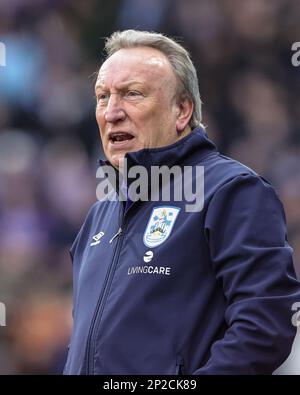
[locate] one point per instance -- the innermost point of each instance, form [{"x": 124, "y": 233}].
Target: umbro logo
[{"x": 97, "y": 239}]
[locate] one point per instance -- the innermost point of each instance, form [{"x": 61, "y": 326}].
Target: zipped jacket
[{"x": 162, "y": 290}]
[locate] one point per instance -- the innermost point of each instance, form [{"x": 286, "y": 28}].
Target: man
[{"x": 159, "y": 289}]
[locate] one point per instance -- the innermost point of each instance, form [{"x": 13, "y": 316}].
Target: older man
[{"x": 159, "y": 289}]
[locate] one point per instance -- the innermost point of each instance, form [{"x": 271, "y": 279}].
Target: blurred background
[{"x": 49, "y": 141}]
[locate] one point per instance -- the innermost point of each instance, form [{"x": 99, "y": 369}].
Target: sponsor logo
[
  {"x": 148, "y": 256},
  {"x": 97, "y": 238},
  {"x": 149, "y": 270},
  {"x": 160, "y": 225}
]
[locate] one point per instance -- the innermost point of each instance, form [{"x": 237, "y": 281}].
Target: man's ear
[{"x": 184, "y": 113}]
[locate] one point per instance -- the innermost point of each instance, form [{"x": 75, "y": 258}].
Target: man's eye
[
  {"x": 102, "y": 97},
  {"x": 132, "y": 94}
]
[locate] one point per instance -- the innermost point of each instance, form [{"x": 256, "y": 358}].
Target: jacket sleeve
[{"x": 246, "y": 232}]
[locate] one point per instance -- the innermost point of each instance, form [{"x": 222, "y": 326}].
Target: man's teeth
[{"x": 121, "y": 137}]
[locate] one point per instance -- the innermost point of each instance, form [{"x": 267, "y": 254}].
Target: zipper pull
[{"x": 116, "y": 235}]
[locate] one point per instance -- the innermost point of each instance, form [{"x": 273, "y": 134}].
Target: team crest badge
[{"x": 160, "y": 225}]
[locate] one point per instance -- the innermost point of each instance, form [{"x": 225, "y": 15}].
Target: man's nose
[{"x": 114, "y": 111}]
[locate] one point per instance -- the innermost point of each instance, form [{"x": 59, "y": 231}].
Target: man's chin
[
  {"x": 121, "y": 163},
  {"x": 118, "y": 161}
]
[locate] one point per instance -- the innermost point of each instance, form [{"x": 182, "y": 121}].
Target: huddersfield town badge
[{"x": 160, "y": 224}]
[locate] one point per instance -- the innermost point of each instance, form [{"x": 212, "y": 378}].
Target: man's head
[{"x": 147, "y": 94}]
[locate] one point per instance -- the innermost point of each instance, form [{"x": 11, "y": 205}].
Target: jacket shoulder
[{"x": 227, "y": 168}]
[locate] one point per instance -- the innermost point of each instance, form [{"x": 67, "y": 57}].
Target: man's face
[{"x": 136, "y": 103}]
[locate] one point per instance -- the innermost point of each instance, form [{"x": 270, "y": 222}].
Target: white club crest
[{"x": 160, "y": 225}]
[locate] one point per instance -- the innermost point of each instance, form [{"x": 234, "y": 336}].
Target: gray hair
[{"x": 178, "y": 57}]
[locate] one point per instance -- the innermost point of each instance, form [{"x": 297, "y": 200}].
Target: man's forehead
[{"x": 134, "y": 63}]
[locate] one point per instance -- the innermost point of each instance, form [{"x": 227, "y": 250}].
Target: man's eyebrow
[
  {"x": 99, "y": 85},
  {"x": 122, "y": 85}
]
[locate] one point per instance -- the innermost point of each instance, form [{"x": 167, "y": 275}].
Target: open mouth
[{"x": 120, "y": 137}]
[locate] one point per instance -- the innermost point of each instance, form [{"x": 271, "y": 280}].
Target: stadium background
[{"x": 49, "y": 141}]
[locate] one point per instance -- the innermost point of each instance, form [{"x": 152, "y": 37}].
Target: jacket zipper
[
  {"x": 103, "y": 296},
  {"x": 116, "y": 235},
  {"x": 179, "y": 365},
  {"x": 100, "y": 305}
]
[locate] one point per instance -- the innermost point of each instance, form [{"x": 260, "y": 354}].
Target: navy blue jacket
[{"x": 159, "y": 290}]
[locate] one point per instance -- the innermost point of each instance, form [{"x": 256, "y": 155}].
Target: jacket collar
[
  {"x": 186, "y": 151},
  {"x": 189, "y": 150}
]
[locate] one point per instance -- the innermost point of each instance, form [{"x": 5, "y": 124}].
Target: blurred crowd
[{"x": 49, "y": 141}]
